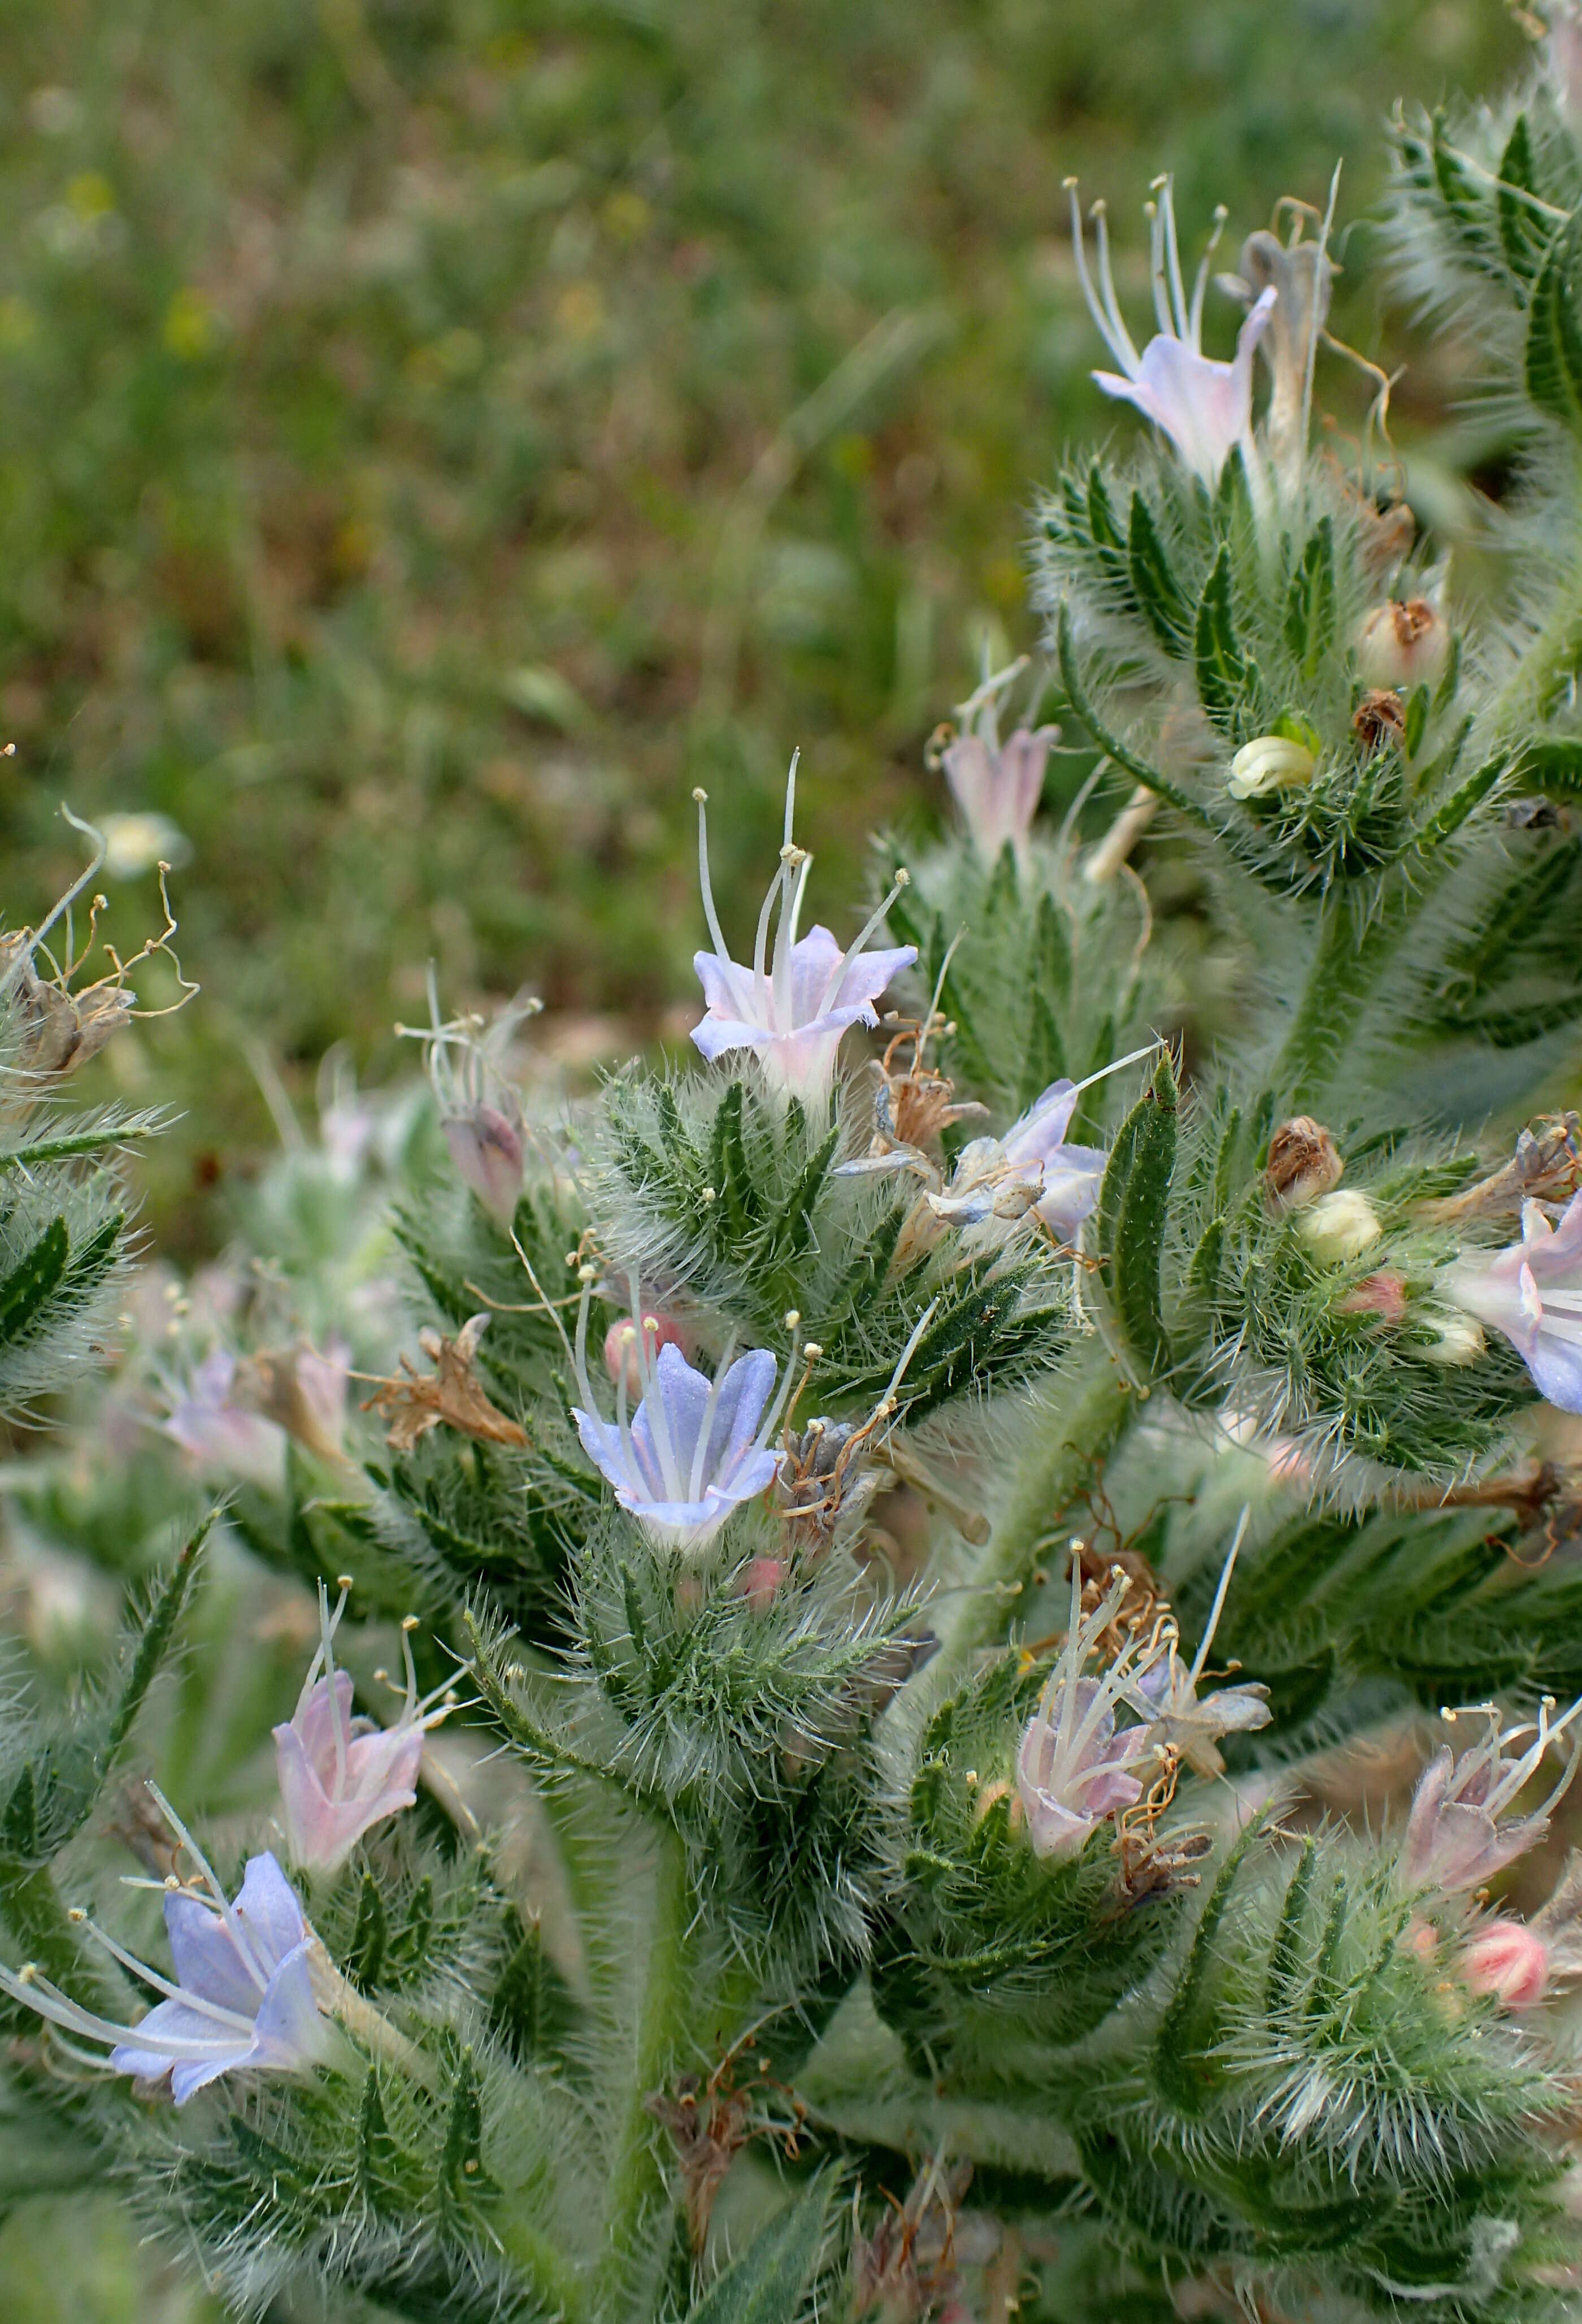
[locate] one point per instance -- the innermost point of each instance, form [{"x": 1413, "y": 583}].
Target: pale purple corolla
[
  {"x": 1459, "y": 1833},
  {"x": 1532, "y": 1292},
  {"x": 696, "y": 1448},
  {"x": 1166, "y": 1691},
  {"x": 246, "y": 1992},
  {"x": 222, "y": 1438},
  {"x": 1032, "y": 1172},
  {"x": 1072, "y": 1767},
  {"x": 480, "y": 1106},
  {"x": 791, "y": 1009},
  {"x": 339, "y": 1775},
  {"x": 1204, "y": 407},
  {"x": 996, "y": 786}
]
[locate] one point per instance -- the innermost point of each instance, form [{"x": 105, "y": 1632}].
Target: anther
[
  {"x": 792, "y": 1317},
  {"x": 701, "y": 797},
  {"x": 408, "y": 1621},
  {"x": 812, "y": 1352},
  {"x": 76, "y": 1914},
  {"x": 343, "y": 1580}
]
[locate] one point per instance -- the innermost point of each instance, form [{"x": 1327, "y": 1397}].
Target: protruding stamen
[
  {"x": 1200, "y": 1660},
  {"x": 903, "y": 879},
  {"x": 1111, "y": 329},
  {"x": 710, "y": 915}
]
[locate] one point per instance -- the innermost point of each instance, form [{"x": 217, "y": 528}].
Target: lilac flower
[
  {"x": 220, "y": 1437},
  {"x": 792, "y": 1010},
  {"x": 695, "y": 1449},
  {"x": 1455, "y": 1838},
  {"x": 1030, "y": 1170},
  {"x": 340, "y": 1775},
  {"x": 479, "y": 1109},
  {"x": 1532, "y": 1292},
  {"x": 1205, "y": 408},
  {"x": 245, "y": 1991},
  {"x": 1072, "y": 1768},
  {"x": 1166, "y": 1694},
  {"x": 995, "y": 785}
]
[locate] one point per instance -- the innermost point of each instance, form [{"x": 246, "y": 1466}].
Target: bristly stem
[{"x": 637, "y": 2194}]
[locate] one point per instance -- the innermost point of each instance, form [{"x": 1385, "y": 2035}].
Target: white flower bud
[
  {"x": 1341, "y": 1225},
  {"x": 1460, "y": 1340},
  {"x": 1402, "y": 643},
  {"x": 1272, "y": 762}
]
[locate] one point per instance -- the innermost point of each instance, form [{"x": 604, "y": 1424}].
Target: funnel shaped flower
[
  {"x": 1455, "y": 1838},
  {"x": 791, "y": 1010},
  {"x": 244, "y": 1996},
  {"x": 1030, "y": 1170},
  {"x": 694, "y": 1449},
  {"x": 1204, "y": 407},
  {"x": 995, "y": 785},
  {"x": 1072, "y": 1768},
  {"x": 219, "y": 1436},
  {"x": 1532, "y": 1292},
  {"x": 340, "y": 1775}
]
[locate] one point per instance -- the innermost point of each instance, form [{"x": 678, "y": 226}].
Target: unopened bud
[
  {"x": 1340, "y": 1226},
  {"x": 487, "y": 1151},
  {"x": 1272, "y": 762},
  {"x": 1304, "y": 1163},
  {"x": 1458, "y": 1340},
  {"x": 1507, "y": 1961},
  {"x": 1382, "y": 1294},
  {"x": 1402, "y": 643},
  {"x": 623, "y": 1356}
]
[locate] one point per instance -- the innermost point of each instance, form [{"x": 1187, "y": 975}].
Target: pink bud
[
  {"x": 760, "y": 1578},
  {"x": 1422, "y": 1939},
  {"x": 1507, "y": 1959},
  {"x": 622, "y": 1355},
  {"x": 1384, "y": 1295},
  {"x": 487, "y": 1152}
]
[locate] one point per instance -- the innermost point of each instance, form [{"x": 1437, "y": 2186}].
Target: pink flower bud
[
  {"x": 1384, "y": 1295},
  {"x": 623, "y": 1354},
  {"x": 1506, "y": 1960},
  {"x": 760, "y": 1578},
  {"x": 487, "y": 1152}
]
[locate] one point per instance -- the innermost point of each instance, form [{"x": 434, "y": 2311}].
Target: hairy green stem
[
  {"x": 1092, "y": 1415},
  {"x": 637, "y": 2183}
]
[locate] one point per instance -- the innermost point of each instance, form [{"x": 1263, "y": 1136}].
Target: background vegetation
[{"x": 438, "y": 432}]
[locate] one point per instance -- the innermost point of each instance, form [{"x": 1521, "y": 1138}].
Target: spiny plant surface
[{"x": 985, "y": 1605}]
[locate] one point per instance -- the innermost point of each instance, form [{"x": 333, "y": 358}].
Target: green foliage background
[{"x": 409, "y": 480}]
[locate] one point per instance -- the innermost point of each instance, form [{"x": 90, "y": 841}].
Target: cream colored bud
[
  {"x": 1273, "y": 763},
  {"x": 1341, "y": 1225},
  {"x": 1460, "y": 1339},
  {"x": 1402, "y": 643}
]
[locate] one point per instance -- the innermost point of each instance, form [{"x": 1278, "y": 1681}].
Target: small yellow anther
[
  {"x": 700, "y": 796},
  {"x": 408, "y": 1621}
]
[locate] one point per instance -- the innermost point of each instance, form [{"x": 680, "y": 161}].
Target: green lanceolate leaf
[
  {"x": 1158, "y": 592},
  {"x": 1133, "y": 1206},
  {"x": 1309, "y": 601},
  {"x": 1111, "y": 744},
  {"x": 1553, "y": 360},
  {"x": 33, "y": 1281},
  {"x": 768, "y": 2284},
  {"x": 1222, "y": 667},
  {"x": 1554, "y": 769},
  {"x": 1526, "y": 229}
]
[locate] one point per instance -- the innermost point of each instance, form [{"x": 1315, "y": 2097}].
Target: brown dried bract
[
  {"x": 410, "y": 1404},
  {"x": 1379, "y": 717},
  {"x": 1546, "y": 1165},
  {"x": 59, "y": 1029},
  {"x": 1303, "y": 1162},
  {"x": 710, "y": 2122}
]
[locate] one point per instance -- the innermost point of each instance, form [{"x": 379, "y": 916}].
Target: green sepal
[
  {"x": 1132, "y": 1204},
  {"x": 366, "y": 1955},
  {"x": 1309, "y": 601},
  {"x": 1222, "y": 667},
  {"x": 532, "y": 2008},
  {"x": 33, "y": 1281},
  {"x": 1552, "y": 363},
  {"x": 1417, "y": 709},
  {"x": 1525, "y": 234},
  {"x": 1159, "y": 595}
]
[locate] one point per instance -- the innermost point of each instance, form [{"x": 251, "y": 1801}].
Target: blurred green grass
[{"x": 440, "y": 432}]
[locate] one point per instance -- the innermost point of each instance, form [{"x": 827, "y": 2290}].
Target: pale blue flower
[
  {"x": 1204, "y": 407},
  {"x": 694, "y": 1449},
  {"x": 243, "y": 1997},
  {"x": 791, "y": 1009},
  {"x": 1532, "y": 1292}
]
